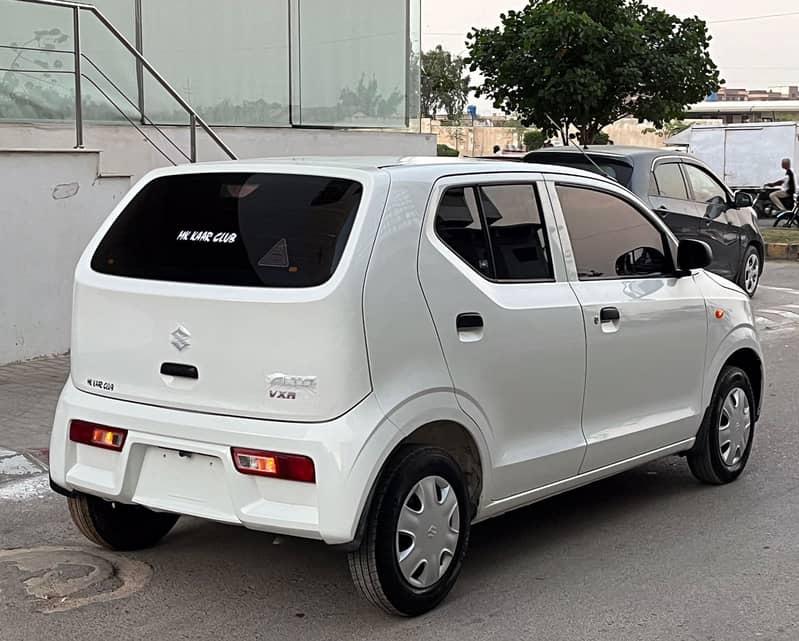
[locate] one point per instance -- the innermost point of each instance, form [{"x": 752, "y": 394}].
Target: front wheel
[
  {"x": 417, "y": 533},
  {"x": 784, "y": 219},
  {"x": 725, "y": 440},
  {"x": 118, "y": 526},
  {"x": 749, "y": 277}
]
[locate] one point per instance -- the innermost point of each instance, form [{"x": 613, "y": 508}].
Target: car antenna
[{"x": 581, "y": 150}]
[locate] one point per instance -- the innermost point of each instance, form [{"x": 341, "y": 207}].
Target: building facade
[{"x": 262, "y": 63}]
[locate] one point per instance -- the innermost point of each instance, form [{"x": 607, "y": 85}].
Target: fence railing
[{"x": 143, "y": 64}]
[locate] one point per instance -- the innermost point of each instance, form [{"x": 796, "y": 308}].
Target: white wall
[
  {"x": 52, "y": 203},
  {"x": 126, "y": 152}
]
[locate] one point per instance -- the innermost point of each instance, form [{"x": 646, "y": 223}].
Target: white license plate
[{"x": 186, "y": 483}]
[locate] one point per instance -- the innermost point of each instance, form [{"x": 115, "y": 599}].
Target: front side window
[
  {"x": 670, "y": 183},
  {"x": 610, "y": 238},
  {"x": 516, "y": 232},
  {"x": 706, "y": 189}
]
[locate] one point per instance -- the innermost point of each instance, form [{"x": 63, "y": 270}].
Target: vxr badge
[{"x": 181, "y": 338}]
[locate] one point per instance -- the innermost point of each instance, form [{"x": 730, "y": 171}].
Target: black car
[{"x": 691, "y": 199}]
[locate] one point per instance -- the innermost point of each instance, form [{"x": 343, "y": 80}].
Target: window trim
[
  {"x": 476, "y": 185},
  {"x": 667, "y": 246},
  {"x": 671, "y": 161}
]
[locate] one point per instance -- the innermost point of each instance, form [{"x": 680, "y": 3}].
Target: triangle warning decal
[{"x": 278, "y": 256}]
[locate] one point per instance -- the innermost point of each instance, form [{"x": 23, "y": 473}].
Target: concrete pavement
[{"x": 650, "y": 554}]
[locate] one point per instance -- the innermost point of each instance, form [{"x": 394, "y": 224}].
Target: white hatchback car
[{"x": 378, "y": 353}]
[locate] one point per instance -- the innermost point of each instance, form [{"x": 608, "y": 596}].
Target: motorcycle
[{"x": 763, "y": 206}]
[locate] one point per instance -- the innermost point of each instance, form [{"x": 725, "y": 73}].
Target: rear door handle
[
  {"x": 608, "y": 314},
  {"x": 472, "y": 321}
]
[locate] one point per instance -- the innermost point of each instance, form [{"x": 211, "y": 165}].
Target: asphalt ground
[{"x": 647, "y": 555}]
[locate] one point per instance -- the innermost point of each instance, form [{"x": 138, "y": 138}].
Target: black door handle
[
  {"x": 469, "y": 321},
  {"x": 609, "y": 314},
  {"x": 177, "y": 369}
]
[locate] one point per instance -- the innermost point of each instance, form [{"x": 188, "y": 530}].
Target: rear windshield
[
  {"x": 268, "y": 230},
  {"x": 619, "y": 170}
]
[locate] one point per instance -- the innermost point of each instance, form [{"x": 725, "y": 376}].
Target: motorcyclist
[{"x": 787, "y": 186}]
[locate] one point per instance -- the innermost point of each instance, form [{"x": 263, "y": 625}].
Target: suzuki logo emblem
[{"x": 181, "y": 338}]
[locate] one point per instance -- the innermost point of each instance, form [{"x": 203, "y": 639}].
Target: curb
[{"x": 782, "y": 251}]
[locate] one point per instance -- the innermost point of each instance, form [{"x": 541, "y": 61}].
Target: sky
[{"x": 751, "y": 53}]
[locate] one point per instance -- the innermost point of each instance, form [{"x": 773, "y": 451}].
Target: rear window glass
[
  {"x": 269, "y": 230},
  {"x": 618, "y": 170}
]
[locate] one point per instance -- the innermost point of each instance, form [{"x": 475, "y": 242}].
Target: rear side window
[
  {"x": 518, "y": 238},
  {"x": 459, "y": 226},
  {"x": 497, "y": 230},
  {"x": 241, "y": 229},
  {"x": 670, "y": 183}
]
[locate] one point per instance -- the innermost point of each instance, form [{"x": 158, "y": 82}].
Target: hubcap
[
  {"x": 428, "y": 529},
  {"x": 734, "y": 427},
  {"x": 751, "y": 273}
]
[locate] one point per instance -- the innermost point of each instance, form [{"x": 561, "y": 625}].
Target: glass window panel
[
  {"x": 230, "y": 61},
  {"x": 33, "y": 84},
  {"x": 112, "y": 59},
  {"x": 354, "y": 59}
]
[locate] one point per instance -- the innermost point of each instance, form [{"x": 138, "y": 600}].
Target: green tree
[
  {"x": 588, "y": 63},
  {"x": 534, "y": 139},
  {"x": 443, "y": 85}
]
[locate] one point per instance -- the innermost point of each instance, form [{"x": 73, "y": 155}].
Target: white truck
[{"x": 747, "y": 156}]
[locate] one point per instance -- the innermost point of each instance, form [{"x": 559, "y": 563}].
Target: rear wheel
[
  {"x": 749, "y": 277},
  {"x": 725, "y": 441},
  {"x": 118, "y": 526},
  {"x": 783, "y": 219},
  {"x": 417, "y": 533}
]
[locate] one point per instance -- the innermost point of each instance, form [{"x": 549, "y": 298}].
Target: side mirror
[
  {"x": 693, "y": 254},
  {"x": 742, "y": 200}
]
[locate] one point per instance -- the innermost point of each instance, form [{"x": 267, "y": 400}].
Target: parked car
[
  {"x": 377, "y": 354},
  {"x": 690, "y": 198}
]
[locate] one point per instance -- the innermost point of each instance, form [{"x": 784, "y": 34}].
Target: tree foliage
[
  {"x": 444, "y": 87},
  {"x": 588, "y": 63},
  {"x": 534, "y": 139}
]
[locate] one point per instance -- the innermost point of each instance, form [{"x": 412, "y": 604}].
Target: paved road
[{"x": 647, "y": 555}]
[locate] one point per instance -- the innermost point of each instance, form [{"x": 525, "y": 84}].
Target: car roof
[
  {"x": 622, "y": 151},
  {"x": 439, "y": 166}
]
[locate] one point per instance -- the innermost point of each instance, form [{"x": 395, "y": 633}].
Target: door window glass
[
  {"x": 610, "y": 238},
  {"x": 706, "y": 189},
  {"x": 458, "y": 226},
  {"x": 670, "y": 182},
  {"x": 517, "y": 235}
]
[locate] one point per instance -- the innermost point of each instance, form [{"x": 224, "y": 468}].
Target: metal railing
[{"x": 142, "y": 63}]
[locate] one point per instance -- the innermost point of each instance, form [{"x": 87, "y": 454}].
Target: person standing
[{"x": 787, "y": 186}]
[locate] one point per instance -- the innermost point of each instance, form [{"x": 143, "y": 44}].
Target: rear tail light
[
  {"x": 109, "y": 438},
  {"x": 281, "y": 466}
]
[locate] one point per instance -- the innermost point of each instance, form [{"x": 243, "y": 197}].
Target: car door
[
  {"x": 645, "y": 327},
  {"x": 510, "y": 326},
  {"x": 716, "y": 219}
]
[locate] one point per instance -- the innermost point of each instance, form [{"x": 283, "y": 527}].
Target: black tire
[
  {"x": 117, "y": 526},
  {"x": 783, "y": 219},
  {"x": 744, "y": 281},
  {"x": 374, "y": 565},
  {"x": 706, "y": 459}
]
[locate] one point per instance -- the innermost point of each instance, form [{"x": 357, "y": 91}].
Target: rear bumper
[{"x": 179, "y": 461}]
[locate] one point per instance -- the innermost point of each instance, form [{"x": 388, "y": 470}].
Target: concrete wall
[
  {"x": 126, "y": 152},
  {"x": 52, "y": 203}
]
